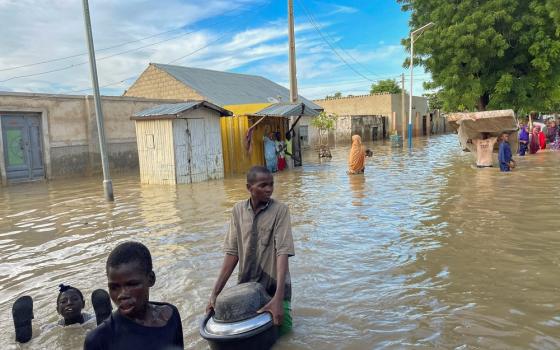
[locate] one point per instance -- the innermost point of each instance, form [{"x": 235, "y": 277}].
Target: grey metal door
[
  {"x": 196, "y": 135},
  {"x": 23, "y": 151}
]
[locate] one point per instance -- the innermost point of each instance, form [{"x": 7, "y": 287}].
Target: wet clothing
[
  {"x": 534, "y": 143},
  {"x": 289, "y": 147},
  {"x": 551, "y": 134},
  {"x": 257, "y": 240},
  {"x": 281, "y": 151},
  {"x": 87, "y": 318},
  {"x": 504, "y": 156},
  {"x": 270, "y": 154},
  {"x": 484, "y": 149},
  {"x": 120, "y": 333},
  {"x": 287, "y": 324},
  {"x": 523, "y": 147},
  {"x": 542, "y": 140},
  {"x": 523, "y": 140},
  {"x": 289, "y": 150},
  {"x": 357, "y": 158},
  {"x": 556, "y": 144}
]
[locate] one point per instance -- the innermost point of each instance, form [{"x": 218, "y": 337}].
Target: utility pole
[
  {"x": 292, "y": 53},
  {"x": 296, "y": 141},
  {"x": 107, "y": 183},
  {"x": 403, "y": 108},
  {"x": 419, "y": 32},
  {"x": 411, "y": 90}
]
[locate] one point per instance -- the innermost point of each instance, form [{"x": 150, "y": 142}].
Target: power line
[
  {"x": 312, "y": 17},
  {"x": 106, "y": 48},
  {"x": 115, "y": 54},
  {"x": 221, "y": 37},
  {"x": 331, "y": 46}
]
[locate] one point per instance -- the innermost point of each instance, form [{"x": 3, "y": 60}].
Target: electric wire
[
  {"x": 112, "y": 55},
  {"x": 105, "y": 48}
]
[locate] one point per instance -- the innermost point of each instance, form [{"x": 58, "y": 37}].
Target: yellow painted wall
[{"x": 236, "y": 158}]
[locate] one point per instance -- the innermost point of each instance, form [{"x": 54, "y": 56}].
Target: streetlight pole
[
  {"x": 419, "y": 30},
  {"x": 107, "y": 182}
]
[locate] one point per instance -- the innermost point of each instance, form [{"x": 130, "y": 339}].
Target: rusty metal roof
[
  {"x": 287, "y": 110},
  {"x": 225, "y": 88},
  {"x": 174, "y": 109}
]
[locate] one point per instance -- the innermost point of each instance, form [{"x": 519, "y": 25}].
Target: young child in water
[
  {"x": 138, "y": 323},
  {"x": 70, "y": 304}
]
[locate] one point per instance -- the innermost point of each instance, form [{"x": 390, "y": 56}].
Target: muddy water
[{"x": 423, "y": 251}]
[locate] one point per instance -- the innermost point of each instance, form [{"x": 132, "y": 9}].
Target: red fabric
[
  {"x": 542, "y": 140},
  {"x": 281, "y": 163}
]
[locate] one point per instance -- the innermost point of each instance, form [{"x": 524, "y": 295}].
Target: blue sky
[{"x": 245, "y": 36}]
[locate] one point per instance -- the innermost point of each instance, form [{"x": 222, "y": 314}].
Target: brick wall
[{"x": 157, "y": 84}]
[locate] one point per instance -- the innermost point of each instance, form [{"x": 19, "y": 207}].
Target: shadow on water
[{"x": 422, "y": 251}]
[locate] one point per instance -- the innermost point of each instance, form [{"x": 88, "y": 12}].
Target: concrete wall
[
  {"x": 376, "y": 105},
  {"x": 312, "y": 132},
  {"x": 70, "y": 137},
  {"x": 158, "y": 84}
]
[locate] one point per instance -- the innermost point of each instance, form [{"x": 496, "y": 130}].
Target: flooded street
[{"x": 424, "y": 251}]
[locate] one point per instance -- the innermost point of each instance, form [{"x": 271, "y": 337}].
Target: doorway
[
  {"x": 304, "y": 136},
  {"x": 23, "y": 147}
]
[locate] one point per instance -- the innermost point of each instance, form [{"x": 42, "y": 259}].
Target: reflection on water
[{"x": 422, "y": 251}]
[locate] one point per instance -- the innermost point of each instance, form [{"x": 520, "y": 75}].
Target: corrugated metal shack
[
  {"x": 242, "y": 135},
  {"x": 180, "y": 143},
  {"x": 244, "y": 95}
]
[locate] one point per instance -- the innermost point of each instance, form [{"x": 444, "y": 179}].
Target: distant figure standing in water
[
  {"x": 523, "y": 139},
  {"x": 289, "y": 151},
  {"x": 551, "y": 132},
  {"x": 542, "y": 139},
  {"x": 270, "y": 153},
  {"x": 357, "y": 159},
  {"x": 504, "y": 155},
  {"x": 534, "y": 140}
]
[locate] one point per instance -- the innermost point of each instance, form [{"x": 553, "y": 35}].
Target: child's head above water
[
  {"x": 69, "y": 304},
  {"x": 130, "y": 277}
]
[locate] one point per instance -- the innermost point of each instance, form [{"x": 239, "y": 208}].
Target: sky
[{"x": 342, "y": 46}]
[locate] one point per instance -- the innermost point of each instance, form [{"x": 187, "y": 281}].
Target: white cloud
[
  {"x": 228, "y": 39},
  {"x": 340, "y": 9}
]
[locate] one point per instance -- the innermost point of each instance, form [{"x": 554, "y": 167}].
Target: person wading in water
[{"x": 260, "y": 240}]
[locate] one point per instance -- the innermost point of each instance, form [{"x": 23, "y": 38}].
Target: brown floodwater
[{"x": 424, "y": 251}]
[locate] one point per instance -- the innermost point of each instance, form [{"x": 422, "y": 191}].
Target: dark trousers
[{"x": 523, "y": 148}]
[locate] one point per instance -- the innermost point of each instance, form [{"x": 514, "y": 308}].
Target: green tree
[
  {"x": 489, "y": 54},
  {"x": 336, "y": 95},
  {"x": 434, "y": 100},
  {"x": 385, "y": 86},
  {"x": 324, "y": 122}
]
